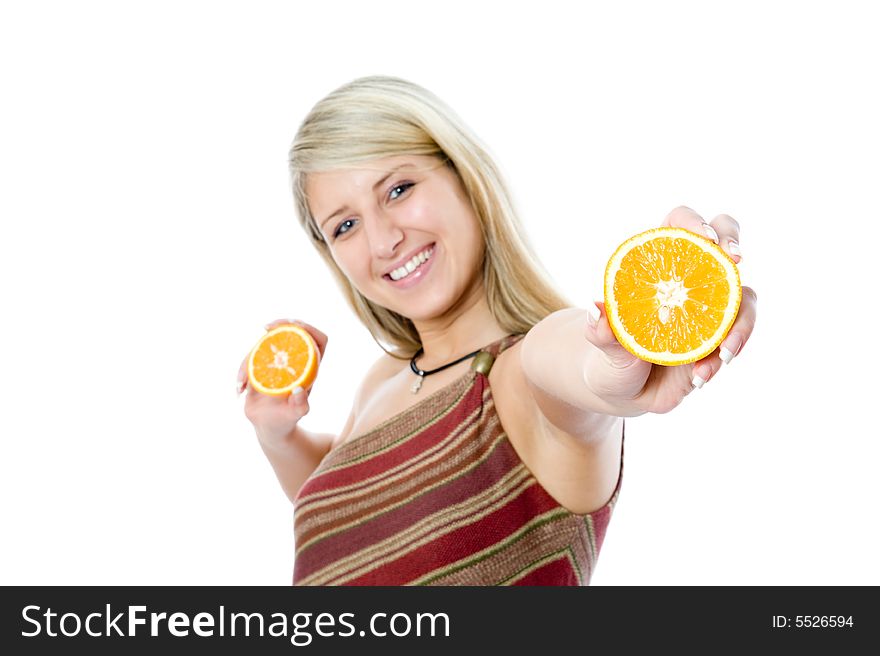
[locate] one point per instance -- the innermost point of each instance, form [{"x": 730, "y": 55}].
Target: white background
[{"x": 148, "y": 234}]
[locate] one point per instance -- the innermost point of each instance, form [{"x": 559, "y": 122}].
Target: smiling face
[{"x": 403, "y": 231}]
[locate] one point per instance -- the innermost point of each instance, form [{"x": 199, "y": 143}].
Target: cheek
[
  {"x": 470, "y": 227},
  {"x": 348, "y": 263},
  {"x": 418, "y": 214}
]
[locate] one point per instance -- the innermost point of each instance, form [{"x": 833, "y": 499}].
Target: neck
[{"x": 467, "y": 327}]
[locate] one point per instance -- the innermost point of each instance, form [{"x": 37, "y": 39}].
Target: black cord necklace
[{"x": 421, "y": 373}]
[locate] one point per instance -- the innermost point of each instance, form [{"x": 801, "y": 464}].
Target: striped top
[{"x": 437, "y": 495}]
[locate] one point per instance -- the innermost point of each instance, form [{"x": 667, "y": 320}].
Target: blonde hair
[{"x": 377, "y": 117}]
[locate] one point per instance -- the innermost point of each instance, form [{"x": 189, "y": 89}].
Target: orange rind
[
  {"x": 284, "y": 358},
  {"x": 671, "y": 295}
]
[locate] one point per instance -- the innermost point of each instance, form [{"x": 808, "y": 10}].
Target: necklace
[{"x": 421, "y": 373}]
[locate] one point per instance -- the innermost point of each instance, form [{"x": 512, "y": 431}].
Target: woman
[{"x": 484, "y": 446}]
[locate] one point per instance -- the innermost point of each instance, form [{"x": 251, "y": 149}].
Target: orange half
[
  {"x": 671, "y": 295},
  {"x": 283, "y": 358}
]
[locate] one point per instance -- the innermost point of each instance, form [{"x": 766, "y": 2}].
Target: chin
[
  {"x": 420, "y": 307},
  {"x": 420, "y": 312}
]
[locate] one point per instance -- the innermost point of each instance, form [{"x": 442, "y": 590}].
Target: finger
[
  {"x": 319, "y": 337},
  {"x": 259, "y": 407},
  {"x": 241, "y": 378},
  {"x": 704, "y": 370},
  {"x": 742, "y": 327},
  {"x": 299, "y": 400},
  {"x": 685, "y": 217},
  {"x": 727, "y": 229},
  {"x": 281, "y": 322},
  {"x": 598, "y": 332}
]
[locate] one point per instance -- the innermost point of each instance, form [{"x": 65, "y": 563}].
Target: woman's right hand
[{"x": 275, "y": 417}]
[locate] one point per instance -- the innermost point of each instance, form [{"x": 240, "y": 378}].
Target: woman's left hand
[{"x": 632, "y": 386}]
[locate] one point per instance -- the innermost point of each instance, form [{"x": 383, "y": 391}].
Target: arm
[
  {"x": 299, "y": 453},
  {"x": 293, "y": 452},
  {"x": 555, "y": 359},
  {"x": 574, "y": 448},
  {"x": 296, "y": 456}
]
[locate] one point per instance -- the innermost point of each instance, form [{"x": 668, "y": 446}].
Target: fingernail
[
  {"x": 698, "y": 382},
  {"x": 297, "y": 390},
  {"x": 239, "y": 387},
  {"x": 710, "y": 232},
  {"x": 733, "y": 245},
  {"x": 593, "y": 314},
  {"x": 729, "y": 351}
]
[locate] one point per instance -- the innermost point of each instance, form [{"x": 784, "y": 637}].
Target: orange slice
[
  {"x": 284, "y": 358},
  {"x": 671, "y": 295}
]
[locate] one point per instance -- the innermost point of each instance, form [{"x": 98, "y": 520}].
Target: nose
[{"x": 383, "y": 234}]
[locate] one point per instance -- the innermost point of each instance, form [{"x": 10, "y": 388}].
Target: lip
[
  {"x": 407, "y": 258},
  {"x": 416, "y": 276}
]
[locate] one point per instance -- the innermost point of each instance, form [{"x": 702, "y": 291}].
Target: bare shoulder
[
  {"x": 580, "y": 474},
  {"x": 382, "y": 369}
]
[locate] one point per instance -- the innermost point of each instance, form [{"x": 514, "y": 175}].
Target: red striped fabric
[{"x": 437, "y": 495}]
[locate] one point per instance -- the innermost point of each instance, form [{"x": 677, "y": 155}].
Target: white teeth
[{"x": 412, "y": 265}]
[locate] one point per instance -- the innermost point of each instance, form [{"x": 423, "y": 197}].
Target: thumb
[
  {"x": 598, "y": 332},
  {"x": 299, "y": 401}
]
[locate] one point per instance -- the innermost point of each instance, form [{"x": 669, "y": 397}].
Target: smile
[{"x": 412, "y": 265}]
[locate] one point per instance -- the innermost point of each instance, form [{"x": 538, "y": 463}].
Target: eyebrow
[{"x": 376, "y": 184}]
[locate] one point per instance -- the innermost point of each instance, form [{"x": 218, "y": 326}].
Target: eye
[
  {"x": 398, "y": 190},
  {"x": 339, "y": 231}
]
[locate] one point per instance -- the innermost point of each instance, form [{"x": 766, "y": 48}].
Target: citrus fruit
[
  {"x": 283, "y": 358},
  {"x": 671, "y": 295}
]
